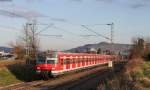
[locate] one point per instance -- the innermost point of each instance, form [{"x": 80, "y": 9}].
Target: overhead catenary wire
[
  {"x": 58, "y": 37},
  {"x": 48, "y": 35},
  {"x": 98, "y": 34},
  {"x": 95, "y": 32},
  {"x": 58, "y": 28},
  {"x": 10, "y": 28},
  {"x": 50, "y": 25},
  {"x": 87, "y": 35},
  {"x": 111, "y": 28},
  {"x": 71, "y": 33}
]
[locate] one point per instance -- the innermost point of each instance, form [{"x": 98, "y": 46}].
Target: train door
[
  {"x": 95, "y": 59},
  {"x": 61, "y": 64},
  {"x": 89, "y": 60},
  {"x": 98, "y": 60},
  {"x": 70, "y": 62},
  {"x": 78, "y": 61},
  {"x": 104, "y": 58},
  {"x": 83, "y": 61},
  {"x": 86, "y": 61},
  {"x": 73, "y": 63},
  {"x": 92, "y": 61},
  {"x": 101, "y": 59},
  {"x": 67, "y": 64}
]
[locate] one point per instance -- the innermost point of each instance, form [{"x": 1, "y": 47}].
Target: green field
[
  {"x": 7, "y": 78},
  {"x": 14, "y": 71}
]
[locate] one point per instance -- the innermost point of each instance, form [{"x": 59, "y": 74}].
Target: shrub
[
  {"x": 138, "y": 75},
  {"x": 147, "y": 57},
  {"x": 147, "y": 73},
  {"x": 145, "y": 83}
]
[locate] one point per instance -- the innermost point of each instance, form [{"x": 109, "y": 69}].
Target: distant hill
[
  {"x": 6, "y": 49},
  {"x": 103, "y": 46}
]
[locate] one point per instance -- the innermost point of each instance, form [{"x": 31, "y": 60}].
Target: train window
[
  {"x": 73, "y": 61},
  {"x": 50, "y": 62},
  {"x": 82, "y": 60},
  {"x": 64, "y": 61},
  {"x": 86, "y": 60},
  {"x": 41, "y": 59},
  {"x": 52, "y": 55},
  {"x": 70, "y": 61},
  {"x": 89, "y": 59},
  {"x": 67, "y": 61},
  {"x": 78, "y": 61}
]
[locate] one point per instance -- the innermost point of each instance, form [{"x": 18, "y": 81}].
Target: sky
[{"x": 131, "y": 18}]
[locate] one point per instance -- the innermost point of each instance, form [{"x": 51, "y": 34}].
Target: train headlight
[
  {"x": 38, "y": 68},
  {"x": 53, "y": 68}
]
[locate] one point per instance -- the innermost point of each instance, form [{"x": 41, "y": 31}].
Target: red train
[{"x": 57, "y": 63}]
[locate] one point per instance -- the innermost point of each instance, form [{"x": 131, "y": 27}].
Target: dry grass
[
  {"x": 133, "y": 66},
  {"x": 4, "y": 63}
]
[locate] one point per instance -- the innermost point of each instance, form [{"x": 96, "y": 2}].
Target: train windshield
[
  {"x": 50, "y": 62},
  {"x": 41, "y": 60},
  {"x": 52, "y": 55},
  {"x": 49, "y": 58}
]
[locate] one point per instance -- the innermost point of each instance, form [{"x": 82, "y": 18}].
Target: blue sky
[{"x": 131, "y": 19}]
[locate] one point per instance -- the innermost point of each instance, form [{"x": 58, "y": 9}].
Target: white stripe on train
[{"x": 81, "y": 67}]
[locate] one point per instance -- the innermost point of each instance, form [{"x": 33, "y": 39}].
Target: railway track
[
  {"x": 54, "y": 82},
  {"x": 83, "y": 83},
  {"x": 71, "y": 81},
  {"x": 90, "y": 82},
  {"x": 22, "y": 86}
]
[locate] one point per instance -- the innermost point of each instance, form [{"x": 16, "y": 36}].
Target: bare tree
[
  {"x": 26, "y": 46},
  {"x": 99, "y": 51},
  {"x": 138, "y": 49},
  {"x": 147, "y": 49},
  {"x": 18, "y": 50}
]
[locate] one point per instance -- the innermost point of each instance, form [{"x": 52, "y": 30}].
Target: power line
[
  {"x": 58, "y": 28},
  {"x": 10, "y": 28},
  {"x": 95, "y": 32},
  {"x": 111, "y": 32},
  {"x": 47, "y": 35},
  {"x": 87, "y": 35},
  {"x": 50, "y": 25}
]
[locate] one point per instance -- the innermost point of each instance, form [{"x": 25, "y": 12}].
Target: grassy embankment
[
  {"x": 15, "y": 71},
  {"x": 7, "y": 78}
]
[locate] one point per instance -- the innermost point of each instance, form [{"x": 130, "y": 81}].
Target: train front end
[{"x": 46, "y": 63}]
